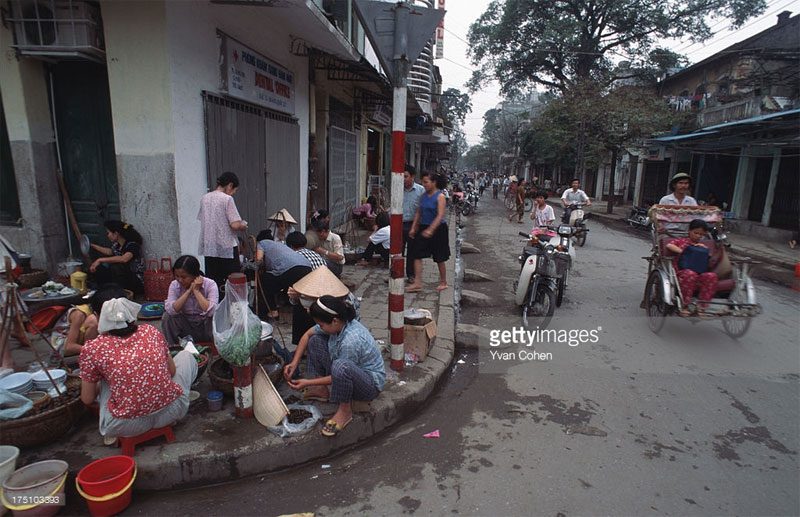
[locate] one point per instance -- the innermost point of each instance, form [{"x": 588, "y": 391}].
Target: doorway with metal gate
[{"x": 260, "y": 146}]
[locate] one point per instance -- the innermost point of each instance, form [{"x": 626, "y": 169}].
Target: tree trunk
[
  {"x": 580, "y": 151},
  {"x": 610, "y": 205}
]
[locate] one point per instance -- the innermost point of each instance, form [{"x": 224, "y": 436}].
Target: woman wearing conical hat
[
  {"x": 282, "y": 224},
  {"x": 305, "y": 292}
]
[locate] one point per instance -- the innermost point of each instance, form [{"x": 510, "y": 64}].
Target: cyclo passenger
[{"x": 692, "y": 263}]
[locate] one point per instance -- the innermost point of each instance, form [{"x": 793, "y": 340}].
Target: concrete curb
[{"x": 217, "y": 447}]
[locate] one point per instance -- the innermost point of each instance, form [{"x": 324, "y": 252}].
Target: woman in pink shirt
[
  {"x": 190, "y": 303},
  {"x": 219, "y": 220}
]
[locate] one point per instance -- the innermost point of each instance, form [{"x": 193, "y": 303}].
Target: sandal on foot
[
  {"x": 331, "y": 428},
  {"x": 410, "y": 289},
  {"x": 319, "y": 394}
]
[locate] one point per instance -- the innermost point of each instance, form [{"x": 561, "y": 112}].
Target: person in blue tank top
[{"x": 431, "y": 225}]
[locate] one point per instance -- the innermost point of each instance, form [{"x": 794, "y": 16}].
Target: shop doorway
[{"x": 85, "y": 133}]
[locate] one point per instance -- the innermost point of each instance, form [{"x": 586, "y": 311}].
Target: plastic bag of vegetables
[{"x": 237, "y": 330}]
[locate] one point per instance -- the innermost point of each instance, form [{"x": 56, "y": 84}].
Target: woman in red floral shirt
[{"x": 128, "y": 366}]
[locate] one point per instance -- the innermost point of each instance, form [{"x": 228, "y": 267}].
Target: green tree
[
  {"x": 454, "y": 106},
  {"x": 563, "y": 43},
  {"x": 458, "y": 147}
]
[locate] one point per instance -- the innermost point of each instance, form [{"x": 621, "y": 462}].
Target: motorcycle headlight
[{"x": 565, "y": 230}]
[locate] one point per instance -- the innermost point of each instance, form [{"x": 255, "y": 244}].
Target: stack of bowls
[
  {"x": 42, "y": 383},
  {"x": 19, "y": 383}
]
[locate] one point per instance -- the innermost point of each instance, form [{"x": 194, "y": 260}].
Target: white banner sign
[
  {"x": 440, "y": 34},
  {"x": 254, "y": 78}
]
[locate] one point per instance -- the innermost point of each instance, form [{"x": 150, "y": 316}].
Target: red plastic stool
[{"x": 129, "y": 444}]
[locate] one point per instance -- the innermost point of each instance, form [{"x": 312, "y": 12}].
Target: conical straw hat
[
  {"x": 320, "y": 282},
  {"x": 282, "y": 215},
  {"x": 268, "y": 406}
]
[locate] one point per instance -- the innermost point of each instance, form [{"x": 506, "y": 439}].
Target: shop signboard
[{"x": 249, "y": 76}]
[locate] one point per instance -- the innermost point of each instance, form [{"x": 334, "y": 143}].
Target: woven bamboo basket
[{"x": 44, "y": 427}]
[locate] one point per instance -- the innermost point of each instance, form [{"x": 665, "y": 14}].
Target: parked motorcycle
[
  {"x": 638, "y": 218},
  {"x": 462, "y": 204},
  {"x": 577, "y": 219},
  {"x": 545, "y": 262},
  {"x": 473, "y": 197}
]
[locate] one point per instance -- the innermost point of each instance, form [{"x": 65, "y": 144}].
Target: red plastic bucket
[{"x": 106, "y": 484}]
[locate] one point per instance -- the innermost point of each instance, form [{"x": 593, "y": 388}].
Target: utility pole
[{"x": 398, "y": 32}]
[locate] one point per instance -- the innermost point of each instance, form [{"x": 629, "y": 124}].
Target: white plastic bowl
[
  {"x": 57, "y": 374},
  {"x": 15, "y": 381}
]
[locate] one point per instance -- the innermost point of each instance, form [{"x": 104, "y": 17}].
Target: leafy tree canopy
[
  {"x": 455, "y": 106},
  {"x": 562, "y": 43}
]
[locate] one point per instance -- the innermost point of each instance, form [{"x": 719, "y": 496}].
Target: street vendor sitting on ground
[
  {"x": 379, "y": 241},
  {"x": 128, "y": 366},
  {"x": 330, "y": 247},
  {"x": 297, "y": 241},
  {"x": 77, "y": 326},
  {"x": 305, "y": 292},
  {"x": 282, "y": 224},
  {"x": 123, "y": 262},
  {"x": 282, "y": 267},
  {"x": 344, "y": 362},
  {"x": 190, "y": 304}
]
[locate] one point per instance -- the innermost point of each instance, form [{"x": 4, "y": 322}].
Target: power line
[{"x": 771, "y": 13}]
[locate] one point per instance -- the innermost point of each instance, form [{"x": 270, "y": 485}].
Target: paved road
[{"x": 688, "y": 422}]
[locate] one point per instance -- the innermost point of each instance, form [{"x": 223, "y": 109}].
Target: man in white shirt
[
  {"x": 680, "y": 184},
  {"x": 572, "y": 196},
  {"x": 330, "y": 247},
  {"x": 379, "y": 241}
]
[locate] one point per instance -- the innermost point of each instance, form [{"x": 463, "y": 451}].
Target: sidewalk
[
  {"x": 777, "y": 254},
  {"x": 214, "y": 447}
]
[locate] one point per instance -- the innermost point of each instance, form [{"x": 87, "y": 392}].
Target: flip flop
[
  {"x": 413, "y": 289},
  {"x": 331, "y": 428}
]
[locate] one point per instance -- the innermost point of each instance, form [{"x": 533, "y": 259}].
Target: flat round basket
[{"x": 43, "y": 427}]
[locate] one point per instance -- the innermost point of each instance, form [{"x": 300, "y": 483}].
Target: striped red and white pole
[
  {"x": 397, "y": 272},
  {"x": 242, "y": 375}
]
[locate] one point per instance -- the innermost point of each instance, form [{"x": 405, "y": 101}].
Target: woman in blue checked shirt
[{"x": 344, "y": 362}]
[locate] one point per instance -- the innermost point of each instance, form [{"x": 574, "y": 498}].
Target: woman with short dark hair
[{"x": 219, "y": 220}]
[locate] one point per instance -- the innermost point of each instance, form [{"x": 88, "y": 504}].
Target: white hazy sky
[{"x": 456, "y": 68}]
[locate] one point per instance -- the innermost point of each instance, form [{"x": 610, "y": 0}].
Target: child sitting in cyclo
[{"x": 692, "y": 263}]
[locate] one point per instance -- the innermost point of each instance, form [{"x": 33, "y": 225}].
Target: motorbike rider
[{"x": 572, "y": 196}]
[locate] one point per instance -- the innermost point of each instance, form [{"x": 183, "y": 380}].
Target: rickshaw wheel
[
  {"x": 736, "y": 327},
  {"x": 654, "y": 303}
]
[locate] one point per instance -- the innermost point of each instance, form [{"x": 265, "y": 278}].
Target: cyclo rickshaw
[{"x": 734, "y": 301}]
